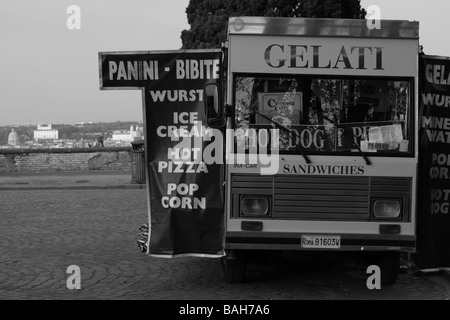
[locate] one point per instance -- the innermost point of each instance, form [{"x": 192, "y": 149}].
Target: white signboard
[{"x": 323, "y": 55}]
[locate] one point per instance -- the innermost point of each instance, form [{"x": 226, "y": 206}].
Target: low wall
[{"x": 68, "y": 159}]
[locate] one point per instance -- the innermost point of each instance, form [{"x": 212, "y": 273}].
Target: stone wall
[{"x": 52, "y": 160}]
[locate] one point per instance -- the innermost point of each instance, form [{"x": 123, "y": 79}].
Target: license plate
[{"x": 320, "y": 242}]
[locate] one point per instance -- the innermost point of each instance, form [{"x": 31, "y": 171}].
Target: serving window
[{"x": 328, "y": 115}]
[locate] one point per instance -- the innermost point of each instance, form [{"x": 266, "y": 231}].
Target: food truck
[
  {"x": 343, "y": 97},
  {"x": 315, "y": 130}
]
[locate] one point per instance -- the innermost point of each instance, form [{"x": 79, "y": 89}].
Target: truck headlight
[
  {"x": 254, "y": 206},
  {"x": 387, "y": 208}
]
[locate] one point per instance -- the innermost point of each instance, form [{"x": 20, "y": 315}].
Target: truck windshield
[{"x": 329, "y": 115}]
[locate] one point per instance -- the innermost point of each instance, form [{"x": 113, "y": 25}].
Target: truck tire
[
  {"x": 234, "y": 270},
  {"x": 389, "y": 264}
]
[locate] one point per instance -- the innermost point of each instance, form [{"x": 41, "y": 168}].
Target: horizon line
[{"x": 61, "y": 123}]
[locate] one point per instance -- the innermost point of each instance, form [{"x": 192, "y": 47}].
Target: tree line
[{"x": 208, "y": 18}]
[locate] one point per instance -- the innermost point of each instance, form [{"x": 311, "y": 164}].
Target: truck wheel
[
  {"x": 234, "y": 270},
  {"x": 389, "y": 264}
]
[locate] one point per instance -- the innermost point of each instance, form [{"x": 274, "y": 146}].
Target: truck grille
[{"x": 320, "y": 197}]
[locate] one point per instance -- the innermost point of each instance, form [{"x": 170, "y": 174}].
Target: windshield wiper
[
  {"x": 368, "y": 162},
  {"x": 360, "y": 151},
  {"x": 289, "y": 131}
]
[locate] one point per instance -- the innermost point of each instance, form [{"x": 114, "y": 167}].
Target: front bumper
[{"x": 253, "y": 240}]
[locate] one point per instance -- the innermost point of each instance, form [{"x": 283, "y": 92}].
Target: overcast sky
[{"x": 49, "y": 74}]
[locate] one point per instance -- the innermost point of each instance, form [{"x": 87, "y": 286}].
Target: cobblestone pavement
[{"x": 42, "y": 232}]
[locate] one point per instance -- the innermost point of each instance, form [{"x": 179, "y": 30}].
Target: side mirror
[{"x": 213, "y": 110}]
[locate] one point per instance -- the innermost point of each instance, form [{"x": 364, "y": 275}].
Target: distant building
[
  {"x": 13, "y": 138},
  {"x": 137, "y": 133},
  {"x": 81, "y": 124},
  {"x": 128, "y": 135},
  {"x": 121, "y": 135},
  {"x": 45, "y": 132}
]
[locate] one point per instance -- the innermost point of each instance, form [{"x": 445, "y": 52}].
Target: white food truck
[{"x": 343, "y": 160}]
